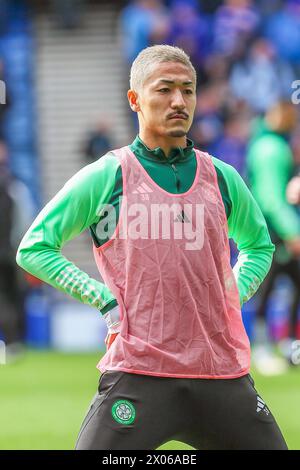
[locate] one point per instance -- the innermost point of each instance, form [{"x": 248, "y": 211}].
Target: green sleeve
[
  {"x": 270, "y": 168},
  {"x": 247, "y": 227},
  {"x": 72, "y": 210}
]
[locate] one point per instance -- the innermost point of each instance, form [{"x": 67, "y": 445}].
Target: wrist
[{"x": 112, "y": 319}]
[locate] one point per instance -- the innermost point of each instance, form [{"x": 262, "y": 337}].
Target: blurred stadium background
[{"x": 64, "y": 75}]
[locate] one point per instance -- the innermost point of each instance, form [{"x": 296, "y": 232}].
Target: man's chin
[{"x": 177, "y": 133}]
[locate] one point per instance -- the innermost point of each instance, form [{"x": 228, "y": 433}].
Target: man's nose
[{"x": 178, "y": 100}]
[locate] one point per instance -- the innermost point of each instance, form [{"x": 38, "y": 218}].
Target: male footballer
[{"x": 160, "y": 213}]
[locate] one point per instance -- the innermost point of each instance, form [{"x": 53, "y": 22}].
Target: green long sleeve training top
[{"x": 77, "y": 207}]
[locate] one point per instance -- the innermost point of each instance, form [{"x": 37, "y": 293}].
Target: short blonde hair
[{"x": 141, "y": 66}]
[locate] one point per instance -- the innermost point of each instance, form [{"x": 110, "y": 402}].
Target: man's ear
[{"x": 133, "y": 100}]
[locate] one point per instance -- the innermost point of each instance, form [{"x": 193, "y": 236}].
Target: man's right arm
[
  {"x": 72, "y": 210},
  {"x": 247, "y": 227}
]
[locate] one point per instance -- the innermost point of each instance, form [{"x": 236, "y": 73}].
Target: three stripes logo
[
  {"x": 182, "y": 217},
  {"x": 261, "y": 406},
  {"x": 143, "y": 189}
]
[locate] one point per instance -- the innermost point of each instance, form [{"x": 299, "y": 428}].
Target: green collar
[{"x": 176, "y": 154}]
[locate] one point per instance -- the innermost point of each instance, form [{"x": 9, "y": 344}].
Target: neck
[{"x": 165, "y": 143}]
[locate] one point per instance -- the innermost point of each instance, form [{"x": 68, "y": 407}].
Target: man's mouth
[{"x": 179, "y": 116}]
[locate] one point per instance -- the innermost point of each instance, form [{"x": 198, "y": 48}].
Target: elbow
[
  {"x": 272, "y": 251},
  {"x": 20, "y": 257},
  {"x": 269, "y": 252},
  {"x": 269, "y": 257},
  {"x": 24, "y": 253}
]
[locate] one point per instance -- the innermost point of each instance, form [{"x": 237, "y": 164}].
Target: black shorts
[{"x": 133, "y": 411}]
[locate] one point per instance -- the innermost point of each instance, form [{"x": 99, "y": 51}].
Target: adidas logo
[
  {"x": 182, "y": 218},
  {"x": 261, "y": 406},
  {"x": 142, "y": 189}
]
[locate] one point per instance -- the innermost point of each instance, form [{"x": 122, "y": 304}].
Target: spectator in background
[
  {"x": 16, "y": 215},
  {"x": 270, "y": 165},
  {"x": 283, "y": 30},
  {"x": 98, "y": 142},
  {"x": 235, "y": 22},
  {"x": 143, "y": 23},
  {"x": 261, "y": 78},
  {"x": 190, "y": 31}
]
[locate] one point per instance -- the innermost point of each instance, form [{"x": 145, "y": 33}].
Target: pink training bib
[{"x": 168, "y": 265}]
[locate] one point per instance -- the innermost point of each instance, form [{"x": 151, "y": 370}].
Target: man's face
[{"x": 167, "y": 100}]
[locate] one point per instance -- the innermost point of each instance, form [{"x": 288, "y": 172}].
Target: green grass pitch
[{"x": 44, "y": 396}]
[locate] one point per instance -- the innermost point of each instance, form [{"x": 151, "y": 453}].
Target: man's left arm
[{"x": 247, "y": 227}]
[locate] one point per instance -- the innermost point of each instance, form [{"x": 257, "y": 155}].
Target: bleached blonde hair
[{"x": 141, "y": 66}]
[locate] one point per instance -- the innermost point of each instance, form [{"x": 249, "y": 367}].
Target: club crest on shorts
[{"x": 123, "y": 412}]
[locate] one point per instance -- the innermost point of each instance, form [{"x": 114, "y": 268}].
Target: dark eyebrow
[{"x": 172, "y": 82}]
